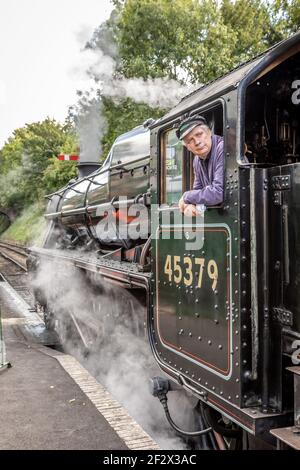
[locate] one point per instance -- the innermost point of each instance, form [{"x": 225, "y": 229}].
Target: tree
[
  {"x": 25, "y": 158},
  {"x": 250, "y": 22},
  {"x": 171, "y": 39},
  {"x": 197, "y": 40},
  {"x": 285, "y": 17},
  {"x": 58, "y": 174},
  {"x": 11, "y": 153}
]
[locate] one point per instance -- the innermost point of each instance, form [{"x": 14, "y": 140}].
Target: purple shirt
[{"x": 209, "y": 176}]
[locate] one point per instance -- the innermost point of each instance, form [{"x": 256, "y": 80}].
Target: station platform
[{"x": 48, "y": 400}]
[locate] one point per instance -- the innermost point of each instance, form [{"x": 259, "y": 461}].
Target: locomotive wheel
[
  {"x": 48, "y": 319},
  {"x": 43, "y": 311},
  {"x": 229, "y": 431},
  {"x": 69, "y": 336},
  {"x": 118, "y": 311}
]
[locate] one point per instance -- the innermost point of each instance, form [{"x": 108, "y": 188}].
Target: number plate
[{"x": 193, "y": 296}]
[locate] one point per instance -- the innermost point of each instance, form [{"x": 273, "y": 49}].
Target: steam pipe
[
  {"x": 266, "y": 313},
  {"x": 253, "y": 268},
  {"x": 163, "y": 401},
  {"x": 159, "y": 387},
  {"x": 220, "y": 441},
  {"x": 286, "y": 250},
  {"x": 145, "y": 251}
]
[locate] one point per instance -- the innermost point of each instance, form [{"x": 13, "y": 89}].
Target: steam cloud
[
  {"x": 98, "y": 77},
  {"x": 118, "y": 358},
  {"x": 91, "y": 126},
  {"x": 157, "y": 92}
]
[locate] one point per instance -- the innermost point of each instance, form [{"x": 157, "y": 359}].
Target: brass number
[
  {"x": 177, "y": 273},
  {"x": 168, "y": 267},
  {"x": 212, "y": 270},
  {"x": 189, "y": 271},
  {"x": 200, "y": 262},
  {"x": 177, "y": 267}
]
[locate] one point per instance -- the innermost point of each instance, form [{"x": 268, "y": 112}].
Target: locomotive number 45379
[{"x": 185, "y": 269}]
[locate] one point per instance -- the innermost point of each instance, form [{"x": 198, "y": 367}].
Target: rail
[{"x": 15, "y": 253}]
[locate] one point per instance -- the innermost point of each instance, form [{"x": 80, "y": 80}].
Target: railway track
[
  {"x": 13, "y": 269},
  {"x": 14, "y": 252}
]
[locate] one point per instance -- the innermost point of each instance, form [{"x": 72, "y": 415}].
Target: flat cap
[{"x": 188, "y": 125}]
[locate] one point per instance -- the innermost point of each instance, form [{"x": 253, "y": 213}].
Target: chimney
[{"x": 86, "y": 168}]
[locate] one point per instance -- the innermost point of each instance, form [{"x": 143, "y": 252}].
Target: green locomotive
[{"x": 221, "y": 290}]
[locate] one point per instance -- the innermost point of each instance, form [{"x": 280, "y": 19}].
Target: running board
[{"x": 124, "y": 273}]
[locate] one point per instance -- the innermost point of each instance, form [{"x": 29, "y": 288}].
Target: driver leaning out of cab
[{"x": 208, "y": 165}]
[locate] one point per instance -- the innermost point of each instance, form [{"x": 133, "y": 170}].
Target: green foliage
[
  {"x": 12, "y": 189},
  {"x": 285, "y": 17},
  {"x": 11, "y": 154},
  {"x": 197, "y": 40},
  {"x": 29, "y": 227},
  {"x": 159, "y": 38},
  {"x": 249, "y": 22},
  {"x": 57, "y": 174},
  {"x": 25, "y": 159}
]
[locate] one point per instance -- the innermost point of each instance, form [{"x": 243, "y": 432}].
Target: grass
[{"x": 28, "y": 228}]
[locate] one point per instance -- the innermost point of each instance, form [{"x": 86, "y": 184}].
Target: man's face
[{"x": 198, "y": 141}]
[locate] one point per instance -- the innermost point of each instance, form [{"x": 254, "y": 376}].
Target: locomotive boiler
[{"x": 222, "y": 290}]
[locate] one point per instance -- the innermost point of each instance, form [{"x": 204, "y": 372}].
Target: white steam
[
  {"x": 91, "y": 126},
  {"x": 157, "y": 92},
  {"x": 97, "y": 76},
  {"x": 109, "y": 319}
]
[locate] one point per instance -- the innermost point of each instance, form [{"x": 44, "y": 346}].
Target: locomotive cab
[
  {"x": 226, "y": 307},
  {"x": 271, "y": 199}
]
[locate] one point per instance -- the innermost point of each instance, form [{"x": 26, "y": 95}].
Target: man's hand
[
  {"x": 182, "y": 205},
  {"x": 190, "y": 210}
]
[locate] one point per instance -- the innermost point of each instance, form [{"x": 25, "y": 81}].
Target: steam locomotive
[{"x": 221, "y": 292}]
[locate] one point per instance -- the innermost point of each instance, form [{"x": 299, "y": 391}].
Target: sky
[{"x": 40, "y": 43}]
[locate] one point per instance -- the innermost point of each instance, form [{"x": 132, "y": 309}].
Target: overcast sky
[{"x": 40, "y": 42}]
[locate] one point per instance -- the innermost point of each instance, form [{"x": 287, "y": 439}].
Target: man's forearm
[{"x": 209, "y": 196}]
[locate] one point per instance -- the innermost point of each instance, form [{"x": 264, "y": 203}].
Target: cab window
[
  {"x": 172, "y": 148},
  {"x": 177, "y": 162}
]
